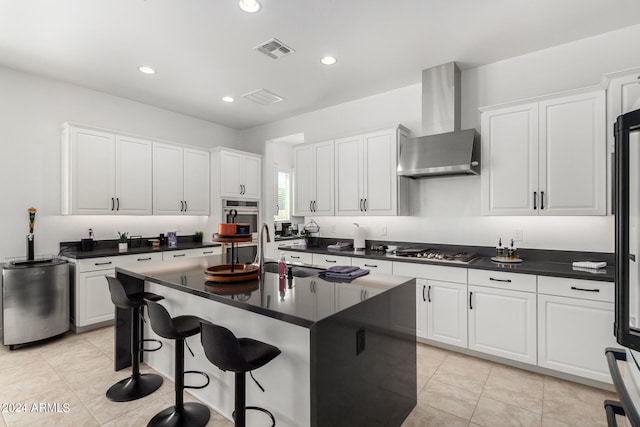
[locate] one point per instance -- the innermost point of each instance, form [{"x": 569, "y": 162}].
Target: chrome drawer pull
[
  {"x": 585, "y": 290},
  {"x": 500, "y": 280}
]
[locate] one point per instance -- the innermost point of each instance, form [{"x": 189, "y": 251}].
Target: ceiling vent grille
[
  {"x": 274, "y": 48},
  {"x": 263, "y": 97}
]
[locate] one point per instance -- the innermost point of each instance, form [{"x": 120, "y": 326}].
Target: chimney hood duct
[{"x": 445, "y": 150}]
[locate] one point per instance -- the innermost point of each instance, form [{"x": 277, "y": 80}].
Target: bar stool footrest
[
  {"x": 142, "y": 342},
  {"x": 204, "y": 374},
  {"x": 257, "y": 408}
]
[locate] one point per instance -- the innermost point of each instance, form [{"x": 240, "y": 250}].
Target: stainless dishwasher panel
[{"x": 35, "y": 300}]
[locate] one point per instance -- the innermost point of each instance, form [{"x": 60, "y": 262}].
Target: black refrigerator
[{"x": 624, "y": 363}]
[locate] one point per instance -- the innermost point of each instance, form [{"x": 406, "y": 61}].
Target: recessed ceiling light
[
  {"x": 250, "y": 6},
  {"x": 328, "y": 60},
  {"x": 227, "y": 99},
  {"x": 147, "y": 70}
]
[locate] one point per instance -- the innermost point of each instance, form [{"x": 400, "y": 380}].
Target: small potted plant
[
  {"x": 122, "y": 241},
  {"x": 305, "y": 234},
  {"x": 197, "y": 236}
]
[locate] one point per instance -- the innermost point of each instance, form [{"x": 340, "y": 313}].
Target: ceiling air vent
[
  {"x": 263, "y": 97},
  {"x": 274, "y": 48}
]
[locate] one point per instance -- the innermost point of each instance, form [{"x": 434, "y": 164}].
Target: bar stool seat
[
  {"x": 190, "y": 414},
  {"x": 237, "y": 355},
  {"x": 137, "y": 385}
]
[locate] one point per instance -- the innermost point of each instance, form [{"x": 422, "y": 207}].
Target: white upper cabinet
[
  {"x": 105, "y": 173},
  {"x": 546, "y": 157},
  {"x": 180, "y": 180},
  {"x": 313, "y": 179},
  {"x": 623, "y": 96},
  {"x": 366, "y": 182},
  {"x": 239, "y": 174}
]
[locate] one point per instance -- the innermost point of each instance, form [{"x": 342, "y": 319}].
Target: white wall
[
  {"x": 31, "y": 112},
  {"x": 447, "y": 210}
]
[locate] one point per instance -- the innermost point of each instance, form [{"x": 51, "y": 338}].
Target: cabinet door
[
  {"x": 573, "y": 334},
  {"x": 94, "y": 299},
  {"x": 503, "y": 323},
  {"x": 251, "y": 179},
  {"x": 133, "y": 176},
  {"x": 196, "y": 182},
  {"x": 232, "y": 165},
  {"x": 323, "y": 176},
  {"x": 348, "y": 176},
  {"x": 509, "y": 175},
  {"x": 304, "y": 181},
  {"x": 447, "y": 312},
  {"x": 92, "y": 180},
  {"x": 168, "y": 177},
  {"x": 380, "y": 173},
  {"x": 573, "y": 150}
]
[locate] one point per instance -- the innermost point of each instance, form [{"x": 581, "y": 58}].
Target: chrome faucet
[{"x": 264, "y": 228}]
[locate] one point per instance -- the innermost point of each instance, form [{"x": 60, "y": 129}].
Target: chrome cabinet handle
[{"x": 500, "y": 280}]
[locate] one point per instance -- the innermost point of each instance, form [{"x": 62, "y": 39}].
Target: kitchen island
[{"x": 348, "y": 349}]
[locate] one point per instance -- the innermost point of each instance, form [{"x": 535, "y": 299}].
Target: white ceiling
[{"x": 203, "y": 49}]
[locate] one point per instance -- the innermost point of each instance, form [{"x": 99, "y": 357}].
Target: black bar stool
[
  {"x": 238, "y": 355},
  {"x": 190, "y": 414},
  {"x": 137, "y": 385}
]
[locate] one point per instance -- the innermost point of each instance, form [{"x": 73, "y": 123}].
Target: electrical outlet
[
  {"x": 384, "y": 231},
  {"x": 517, "y": 235}
]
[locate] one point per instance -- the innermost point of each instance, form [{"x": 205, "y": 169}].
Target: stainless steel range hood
[{"x": 445, "y": 150}]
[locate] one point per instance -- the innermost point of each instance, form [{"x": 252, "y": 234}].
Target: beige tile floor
[{"x": 453, "y": 390}]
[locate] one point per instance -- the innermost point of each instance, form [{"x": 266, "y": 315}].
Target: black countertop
[
  {"x": 538, "y": 262},
  {"x": 106, "y": 248},
  {"x": 302, "y": 301}
]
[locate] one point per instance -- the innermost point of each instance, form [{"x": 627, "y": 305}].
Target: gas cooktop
[{"x": 435, "y": 255}]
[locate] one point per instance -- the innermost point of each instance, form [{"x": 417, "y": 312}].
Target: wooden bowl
[{"x": 223, "y": 274}]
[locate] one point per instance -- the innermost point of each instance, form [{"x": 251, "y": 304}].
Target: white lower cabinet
[
  {"x": 573, "y": 332},
  {"x": 447, "y": 312},
  {"x": 93, "y": 300},
  {"x": 503, "y": 323}
]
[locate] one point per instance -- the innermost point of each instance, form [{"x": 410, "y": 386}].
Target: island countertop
[{"x": 302, "y": 301}]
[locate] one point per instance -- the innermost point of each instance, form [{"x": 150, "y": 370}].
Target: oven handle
[{"x": 631, "y": 412}]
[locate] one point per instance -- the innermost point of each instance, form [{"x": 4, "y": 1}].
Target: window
[{"x": 283, "y": 197}]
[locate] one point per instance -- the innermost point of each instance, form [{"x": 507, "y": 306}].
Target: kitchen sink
[{"x": 296, "y": 270}]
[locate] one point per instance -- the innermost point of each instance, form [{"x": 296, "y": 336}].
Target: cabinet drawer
[
  {"x": 323, "y": 260},
  {"x": 191, "y": 253},
  {"x": 576, "y": 288},
  {"x": 374, "y": 265},
  {"x": 298, "y": 257},
  {"x": 138, "y": 258},
  {"x": 428, "y": 271},
  {"x": 94, "y": 264},
  {"x": 502, "y": 280}
]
